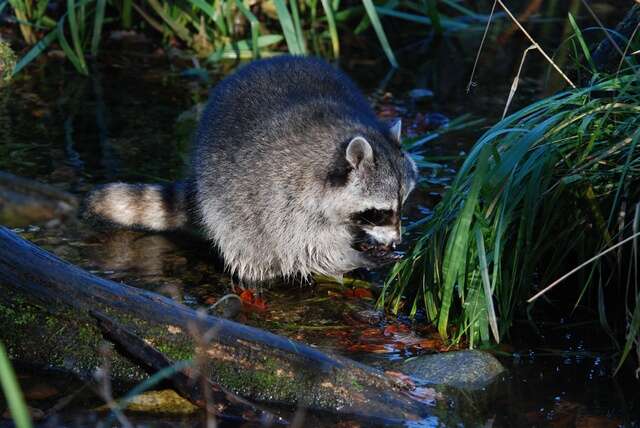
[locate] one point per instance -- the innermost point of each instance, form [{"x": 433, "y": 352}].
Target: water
[{"x": 132, "y": 122}]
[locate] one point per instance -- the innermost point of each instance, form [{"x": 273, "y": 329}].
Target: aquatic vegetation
[
  {"x": 228, "y": 29},
  {"x": 544, "y": 189},
  {"x": 7, "y": 62}
]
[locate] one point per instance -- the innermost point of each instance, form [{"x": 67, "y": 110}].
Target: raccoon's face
[{"x": 379, "y": 180}]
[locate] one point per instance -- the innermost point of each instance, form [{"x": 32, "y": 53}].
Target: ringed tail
[{"x": 154, "y": 207}]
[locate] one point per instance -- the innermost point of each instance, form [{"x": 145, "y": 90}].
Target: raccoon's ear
[
  {"x": 395, "y": 130},
  {"x": 359, "y": 151}
]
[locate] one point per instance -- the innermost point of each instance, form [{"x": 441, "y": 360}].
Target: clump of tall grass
[
  {"x": 237, "y": 29},
  {"x": 544, "y": 189}
]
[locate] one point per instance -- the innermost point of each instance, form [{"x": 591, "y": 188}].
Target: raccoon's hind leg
[{"x": 155, "y": 207}]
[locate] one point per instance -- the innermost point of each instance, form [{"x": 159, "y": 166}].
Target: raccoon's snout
[{"x": 377, "y": 253}]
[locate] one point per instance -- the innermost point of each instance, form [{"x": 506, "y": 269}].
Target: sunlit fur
[
  {"x": 144, "y": 206},
  {"x": 286, "y": 152}
]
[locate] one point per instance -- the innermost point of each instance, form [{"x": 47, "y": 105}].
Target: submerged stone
[{"x": 470, "y": 370}]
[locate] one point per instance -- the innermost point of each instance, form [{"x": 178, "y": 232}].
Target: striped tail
[{"x": 155, "y": 207}]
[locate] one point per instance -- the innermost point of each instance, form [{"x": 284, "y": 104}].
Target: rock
[
  {"x": 24, "y": 202},
  {"x": 17, "y": 210},
  {"x": 229, "y": 306},
  {"x": 469, "y": 370}
]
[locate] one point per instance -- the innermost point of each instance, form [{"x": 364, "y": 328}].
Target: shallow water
[{"x": 76, "y": 132}]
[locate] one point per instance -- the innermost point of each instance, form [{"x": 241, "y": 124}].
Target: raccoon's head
[{"x": 379, "y": 177}]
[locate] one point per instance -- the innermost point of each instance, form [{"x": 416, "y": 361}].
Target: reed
[
  {"x": 229, "y": 29},
  {"x": 545, "y": 188}
]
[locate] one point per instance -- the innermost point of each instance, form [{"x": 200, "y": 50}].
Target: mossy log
[{"x": 47, "y": 316}]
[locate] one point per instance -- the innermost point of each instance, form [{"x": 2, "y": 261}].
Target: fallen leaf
[
  {"x": 246, "y": 296},
  {"x": 428, "y": 344},
  {"x": 371, "y": 332},
  {"x": 425, "y": 394},
  {"x": 40, "y": 392},
  {"x": 249, "y": 301},
  {"x": 163, "y": 401},
  {"x": 395, "y": 328},
  {"x": 358, "y": 293},
  {"x": 400, "y": 378}
]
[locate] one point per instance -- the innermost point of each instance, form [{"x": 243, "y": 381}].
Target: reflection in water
[{"x": 135, "y": 254}]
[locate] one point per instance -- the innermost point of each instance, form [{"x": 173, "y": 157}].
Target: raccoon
[{"x": 291, "y": 174}]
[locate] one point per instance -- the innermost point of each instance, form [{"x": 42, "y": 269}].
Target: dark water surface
[{"x": 132, "y": 122}]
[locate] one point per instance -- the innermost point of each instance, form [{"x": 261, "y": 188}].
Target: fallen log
[{"x": 60, "y": 300}]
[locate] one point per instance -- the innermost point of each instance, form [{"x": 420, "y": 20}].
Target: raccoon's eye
[{"x": 374, "y": 217}]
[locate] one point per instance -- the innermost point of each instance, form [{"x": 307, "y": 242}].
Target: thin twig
[
  {"x": 626, "y": 49},
  {"x": 103, "y": 376},
  {"x": 533, "y": 42},
  {"x": 484, "y": 36},
  {"x": 532, "y": 8},
  {"x": 516, "y": 81},
  {"x": 571, "y": 272}
]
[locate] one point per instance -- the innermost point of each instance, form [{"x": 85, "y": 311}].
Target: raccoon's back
[
  {"x": 275, "y": 125},
  {"x": 271, "y": 99},
  {"x": 266, "y": 143}
]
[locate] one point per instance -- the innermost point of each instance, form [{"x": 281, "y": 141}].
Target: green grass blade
[
  {"x": 484, "y": 270},
  {"x": 82, "y": 19},
  {"x": 98, "y": 22},
  {"x": 288, "y": 29},
  {"x": 127, "y": 6},
  {"x": 298, "y": 26},
  {"x": 12, "y": 392},
  {"x": 453, "y": 4},
  {"x": 180, "y": 30},
  {"x": 432, "y": 11},
  {"x": 382, "y": 37},
  {"x": 205, "y": 7},
  {"x": 41, "y": 8},
  {"x": 68, "y": 50},
  {"x": 632, "y": 335},
  {"x": 35, "y": 51},
  {"x": 75, "y": 36},
  {"x": 333, "y": 29},
  {"x": 243, "y": 49},
  {"x": 255, "y": 27},
  {"x": 583, "y": 44},
  {"x": 457, "y": 247}
]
